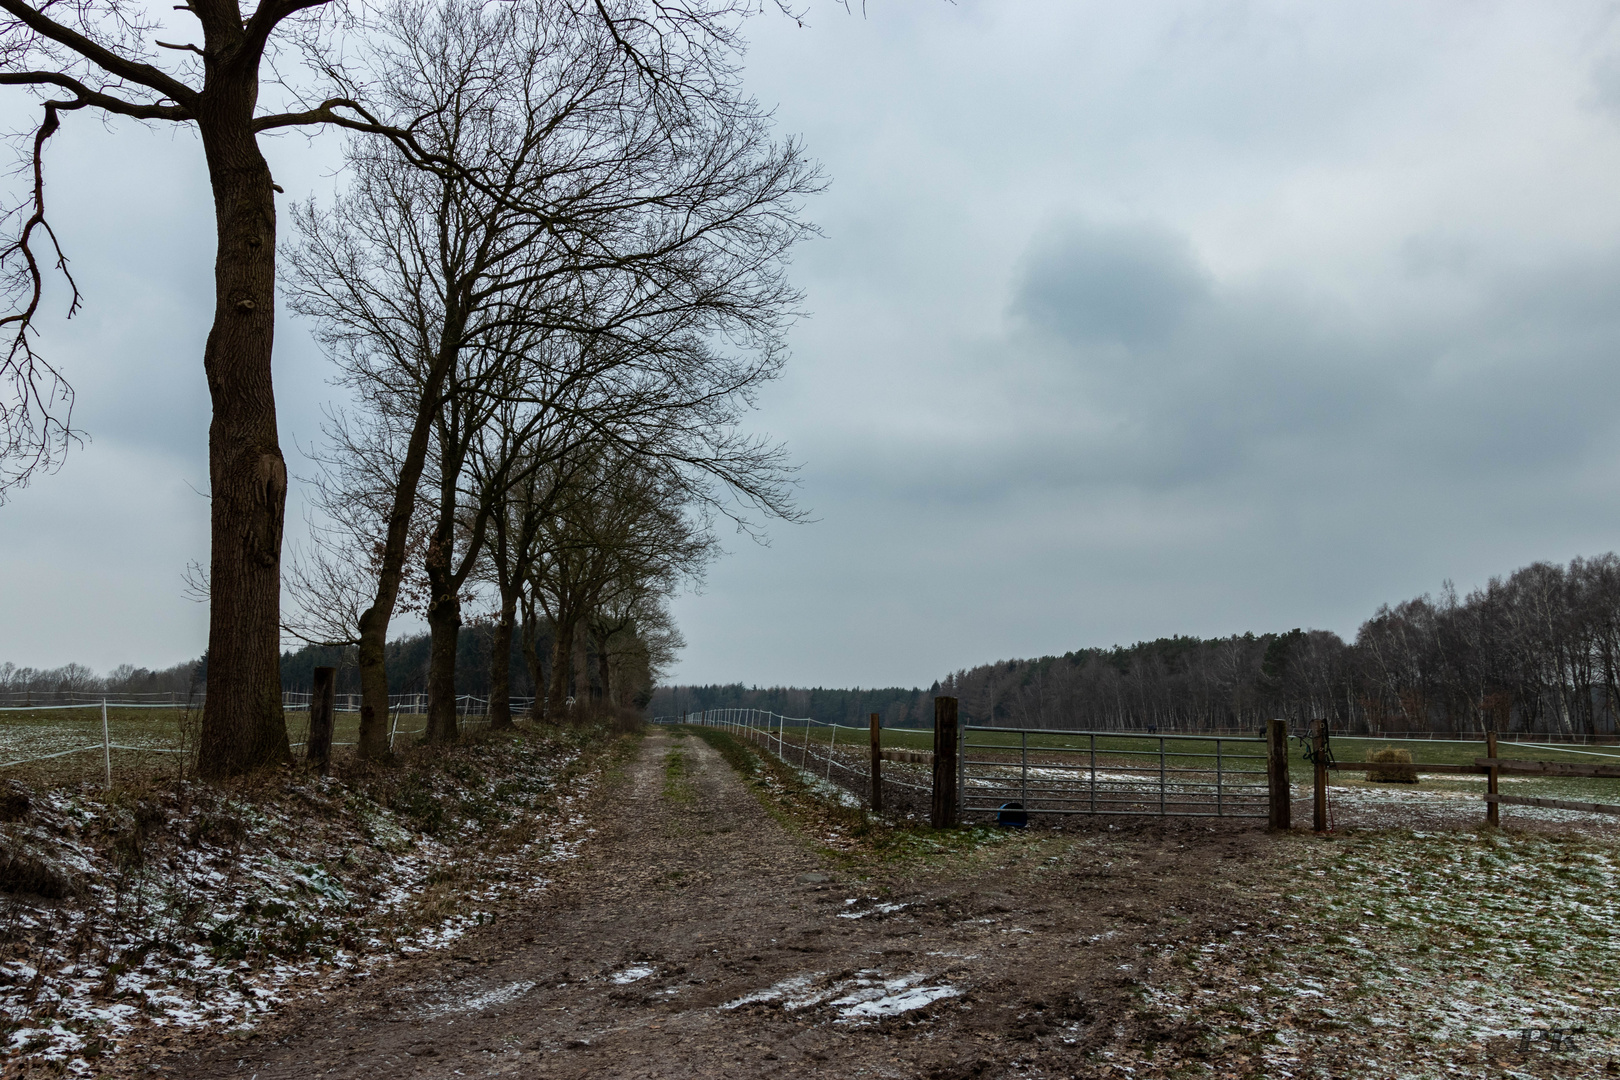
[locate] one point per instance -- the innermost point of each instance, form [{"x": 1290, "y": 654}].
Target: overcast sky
[{"x": 1129, "y": 320}]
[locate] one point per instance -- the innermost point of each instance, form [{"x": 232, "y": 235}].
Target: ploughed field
[{"x": 726, "y": 920}]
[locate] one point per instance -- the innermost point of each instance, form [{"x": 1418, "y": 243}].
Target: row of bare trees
[
  {"x": 549, "y": 343},
  {"x": 564, "y": 221},
  {"x": 45, "y": 686},
  {"x": 1536, "y": 651}
]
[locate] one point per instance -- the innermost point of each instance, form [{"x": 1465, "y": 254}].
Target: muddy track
[{"x": 698, "y": 937}]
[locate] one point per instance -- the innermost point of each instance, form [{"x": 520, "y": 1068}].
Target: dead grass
[
  {"x": 179, "y": 903},
  {"x": 848, "y": 834}
]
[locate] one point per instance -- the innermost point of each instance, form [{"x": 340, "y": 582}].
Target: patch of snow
[
  {"x": 632, "y": 974},
  {"x": 876, "y": 909},
  {"x": 477, "y": 1002},
  {"x": 889, "y": 998},
  {"x": 862, "y": 998}
]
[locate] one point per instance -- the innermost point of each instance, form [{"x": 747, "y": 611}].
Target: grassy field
[
  {"x": 1242, "y": 755},
  {"x": 1398, "y": 953},
  {"x": 145, "y": 742}
]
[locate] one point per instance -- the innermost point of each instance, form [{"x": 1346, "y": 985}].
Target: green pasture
[
  {"x": 1239, "y": 754},
  {"x": 163, "y": 740},
  {"x": 161, "y": 734}
]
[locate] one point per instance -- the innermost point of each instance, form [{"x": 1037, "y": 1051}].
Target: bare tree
[
  {"x": 597, "y": 241},
  {"x": 101, "y": 55},
  {"x": 95, "y": 54},
  {"x": 635, "y": 640},
  {"x": 620, "y": 539}
]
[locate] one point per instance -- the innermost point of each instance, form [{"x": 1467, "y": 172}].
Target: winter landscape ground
[{"x": 673, "y": 904}]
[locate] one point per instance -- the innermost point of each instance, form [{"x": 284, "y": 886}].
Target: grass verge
[
  {"x": 174, "y": 904},
  {"x": 847, "y": 834}
]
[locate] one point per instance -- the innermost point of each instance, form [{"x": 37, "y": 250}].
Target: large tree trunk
[
  {"x": 603, "y": 673},
  {"x": 444, "y": 626},
  {"x": 242, "y": 724},
  {"x": 372, "y": 661},
  {"x": 562, "y": 666},
  {"x": 500, "y": 666},
  {"x": 531, "y": 657}
]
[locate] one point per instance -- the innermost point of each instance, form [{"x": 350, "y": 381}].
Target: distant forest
[
  {"x": 1537, "y": 651},
  {"x": 407, "y": 664}
]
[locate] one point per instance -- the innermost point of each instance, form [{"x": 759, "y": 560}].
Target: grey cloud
[
  {"x": 1263, "y": 380},
  {"x": 1098, "y": 283}
]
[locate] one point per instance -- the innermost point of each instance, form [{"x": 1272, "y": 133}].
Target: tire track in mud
[{"x": 698, "y": 937}]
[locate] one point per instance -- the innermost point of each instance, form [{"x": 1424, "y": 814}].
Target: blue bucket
[{"x": 1012, "y": 816}]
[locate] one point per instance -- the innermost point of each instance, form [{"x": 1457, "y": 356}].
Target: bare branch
[
  {"x": 113, "y": 63},
  {"x": 87, "y": 97},
  {"x": 36, "y": 425}
]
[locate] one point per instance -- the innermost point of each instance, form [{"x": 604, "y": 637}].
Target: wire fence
[
  {"x": 466, "y": 704},
  {"x": 838, "y": 755},
  {"x": 292, "y": 700},
  {"x": 52, "y": 732},
  {"x": 1040, "y": 771}
]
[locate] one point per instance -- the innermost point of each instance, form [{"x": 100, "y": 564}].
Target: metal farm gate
[{"x": 1038, "y": 771}]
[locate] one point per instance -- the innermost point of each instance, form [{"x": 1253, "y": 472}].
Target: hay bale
[{"x": 1397, "y": 767}]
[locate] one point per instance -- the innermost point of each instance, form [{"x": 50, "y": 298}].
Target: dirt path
[{"x": 698, "y": 937}]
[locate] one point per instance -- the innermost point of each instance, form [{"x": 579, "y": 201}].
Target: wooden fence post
[
  {"x": 1319, "y": 742},
  {"x": 1493, "y": 812},
  {"x": 322, "y": 706},
  {"x": 877, "y": 765},
  {"x": 1282, "y": 806},
  {"x": 944, "y": 808}
]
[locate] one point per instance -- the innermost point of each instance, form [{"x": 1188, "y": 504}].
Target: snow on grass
[
  {"x": 1427, "y": 953},
  {"x": 185, "y": 905}
]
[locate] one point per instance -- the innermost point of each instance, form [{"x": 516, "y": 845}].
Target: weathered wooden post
[
  {"x": 1319, "y": 742},
  {"x": 322, "y": 706},
  {"x": 877, "y": 765},
  {"x": 1282, "y": 806},
  {"x": 944, "y": 809},
  {"x": 1493, "y": 810}
]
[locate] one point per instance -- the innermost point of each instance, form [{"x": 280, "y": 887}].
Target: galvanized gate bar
[{"x": 1041, "y": 775}]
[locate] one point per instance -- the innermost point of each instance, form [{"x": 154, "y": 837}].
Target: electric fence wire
[{"x": 769, "y": 730}]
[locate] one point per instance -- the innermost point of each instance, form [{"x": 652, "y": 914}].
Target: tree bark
[
  {"x": 562, "y": 666},
  {"x": 444, "y": 627},
  {"x": 243, "y": 726},
  {"x": 500, "y": 666},
  {"x": 371, "y": 658},
  {"x": 530, "y": 644},
  {"x": 603, "y": 672}
]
